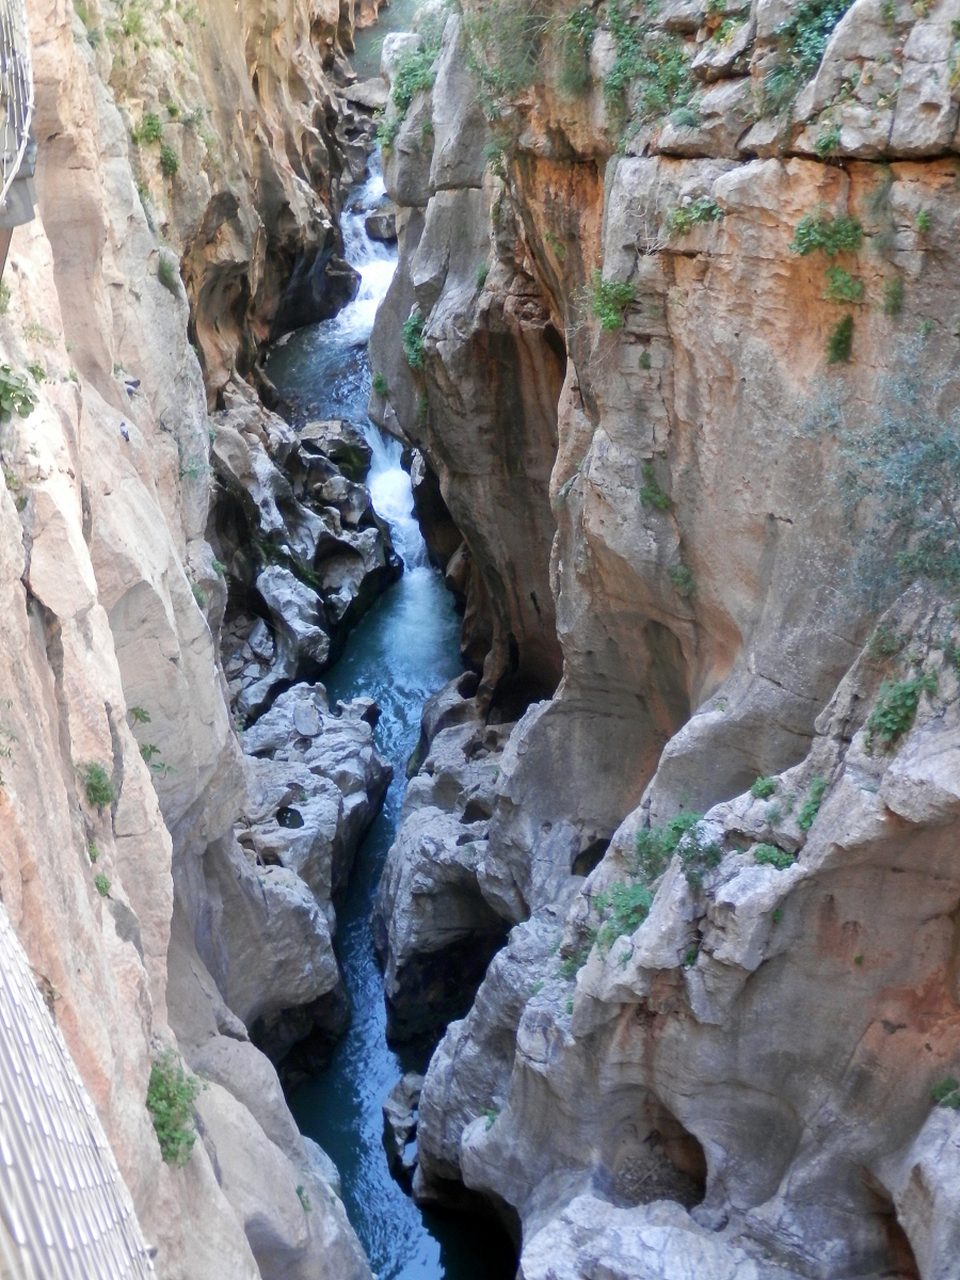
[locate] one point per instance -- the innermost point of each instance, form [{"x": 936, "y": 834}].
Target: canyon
[{"x": 670, "y": 916}]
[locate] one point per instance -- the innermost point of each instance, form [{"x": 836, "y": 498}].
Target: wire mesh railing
[{"x": 16, "y": 92}]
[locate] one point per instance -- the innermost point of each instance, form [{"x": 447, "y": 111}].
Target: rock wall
[
  {"x": 143, "y": 861},
  {"x": 711, "y": 631}
]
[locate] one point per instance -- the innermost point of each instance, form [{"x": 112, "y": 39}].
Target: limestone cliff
[
  {"x": 142, "y": 863},
  {"x": 684, "y": 234}
]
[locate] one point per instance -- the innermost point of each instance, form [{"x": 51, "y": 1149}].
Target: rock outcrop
[
  {"x": 720, "y": 232},
  {"x": 138, "y": 846}
]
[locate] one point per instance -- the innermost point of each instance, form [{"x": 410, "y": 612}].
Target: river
[{"x": 401, "y": 652}]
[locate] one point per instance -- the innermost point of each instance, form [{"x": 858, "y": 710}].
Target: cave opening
[{"x": 656, "y": 1158}]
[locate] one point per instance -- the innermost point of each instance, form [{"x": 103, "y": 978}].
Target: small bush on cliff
[
  {"x": 97, "y": 786},
  {"x": 683, "y": 580},
  {"x": 840, "y": 342},
  {"x": 170, "y": 1098},
  {"x": 15, "y": 395},
  {"x": 625, "y": 908},
  {"x": 575, "y": 39},
  {"x": 770, "y": 856},
  {"x": 169, "y": 161},
  {"x": 415, "y": 73},
  {"x": 609, "y": 300},
  {"x": 169, "y": 275},
  {"x": 101, "y": 884},
  {"x": 379, "y": 385},
  {"x": 896, "y": 708},
  {"x": 801, "y": 43},
  {"x": 411, "y": 338},
  {"x": 651, "y": 495},
  {"x": 150, "y": 130},
  {"x": 657, "y": 845},
  {"x": 650, "y": 75},
  {"x": 811, "y": 806},
  {"x": 819, "y": 232},
  {"x": 898, "y": 476},
  {"x": 893, "y": 295},
  {"x": 947, "y": 1093},
  {"x": 763, "y": 788},
  {"x": 505, "y": 42},
  {"x": 681, "y": 220},
  {"x": 842, "y": 286}
]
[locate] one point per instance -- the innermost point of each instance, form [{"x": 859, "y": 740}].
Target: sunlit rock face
[{"x": 710, "y": 629}]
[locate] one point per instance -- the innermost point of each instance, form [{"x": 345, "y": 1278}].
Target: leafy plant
[
  {"x": 414, "y": 73},
  {"x": 657, "y": 845},
  {"x": 15, "y": 395},
  {"x": 811, "y": 806},
  {"x": 482, "y": 272},
  {"x": 92, "y": 851},
  {"x": 37, "y": 372},
  {"x": 947, "y": 1094},
  {"x": 763, "y": 788},
  {"x": 827, "y": 142},
  {"x": 842, "y": 286},
  {"x": 893, "y": 295},
  {"x": 644, "y": 361},
  {"x": 199, "y": 595},
  {"x": 169, "y": 275},
  {"x": 650, "y": 75},
  {"x": 924, "y": 221},
  {"x": 97, "y": 786},
  {"x": 840, "y": 341},
  {"x": 683, "y": 580},
  {"x": 575, "y": 39},
  {"x": 491, "y": 1113},
  {"x": 387, "y": 130},
  {"x": 148, "y": 750},
  {"x": 505, "y": 42},
  {"x": 101, "y": 884},
  {"x": 169, "y": 161},
  {"x": 609, "y": 300},
  {"x": 682, "y": 220},
  {"x": 896, "y": 708},
  {"x": 411, "y": 338},
  {"x": 150, "y": 130},
  {"x": 801, "y": 42},
  {"x": 651, "y": 495},
  {"x": 171, "y": 1094},
  {"x": 818, "y": 232},
  {"x": 687, "y": 117},
  {"x": 628, "y": 906},
  {"x": 379, "y": 384},
  {"x": 769, "y": 855},
  {"x": 219, "y": 568}
]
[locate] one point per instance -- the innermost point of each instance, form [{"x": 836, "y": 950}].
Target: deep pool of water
[{"x": 402, "y": 651}]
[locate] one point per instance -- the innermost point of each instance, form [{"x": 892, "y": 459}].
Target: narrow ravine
[{"x": 402, "y": 651}]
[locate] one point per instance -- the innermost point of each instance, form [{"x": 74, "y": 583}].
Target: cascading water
[{"x": 401, "y": 652}]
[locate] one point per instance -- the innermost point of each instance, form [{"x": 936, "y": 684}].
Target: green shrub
[
  {"x": 827, "y": 142},
  {"x": 818, "y": 232},
  {"x": 575, "y": 40},
  {"x": 199, "y": 595},
  {"x": 411, "y": 338},
  {"x": 626, "y": 907},
  {"x": 170, "y": 1098},
  {"x": 482, "y": 272},
  {"x": 657, "y": 845},
  {"x": 840, "y": 341},
  {"x": 609, "y": 300},
  {"x": 505, "y": 42},
  {"x": 683, "y": 580},
  {"x": 682, "y": 220},
  {"x": 698, "y": 856},
  {"x": 896, "y": 708},
  {"x": 172, "y": 110},
  {"x": 148, "y": 750},
  {"x": 686, "y": 118},
  {"x": 924, "y": 221},
  {"x": 893, "y": 295},
  {"x": 92, "y": 851},
  {"x": 414, "y": 73},
  {"x": 387, "y": 130},
  {"x": 842, "y": 286},
  {"x": 763, "y": 788},
  {"x": 220, "y": 569},
  {"x": 37, "y": 372},
  {"x": 801, "y": 41},
  {"x": 101, "y": 884},
  {"x": 769, "y": 855},
  {"x": 811, "y": 806},
  {"x": 947, "y": 1094},
  {"x": 644, "y": 360},
  {"x": 169, "y": 161},
  {"x": 15, "y": 395},
  {"x": 650, "y": 75},
  {"x": 379, "y": 384},
  {"x": 140, "y": 716},
  {"x": 491, "y": 1113},
  {"x": 169, "y": 275},
  {"x": 151, "y": 130},
  {"x": 97, "y": 785},
  {"x": 651, "y": 495}
]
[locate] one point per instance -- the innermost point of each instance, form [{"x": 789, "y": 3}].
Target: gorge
[{"x": 556, "y": 707}]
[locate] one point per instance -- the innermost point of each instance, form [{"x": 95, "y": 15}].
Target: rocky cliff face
[
  {"x": 170, "y": 885},
  {"x": 687, "y": 235}
]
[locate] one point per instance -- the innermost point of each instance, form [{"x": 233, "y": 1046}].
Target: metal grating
[
  {"x": 16, "y": 91},
  {"x": 64, "y": 1207}
]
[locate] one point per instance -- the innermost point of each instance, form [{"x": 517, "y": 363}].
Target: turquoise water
[
  {"x": 366, "y": 60},
  {"x": 403, "y": 650}
]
